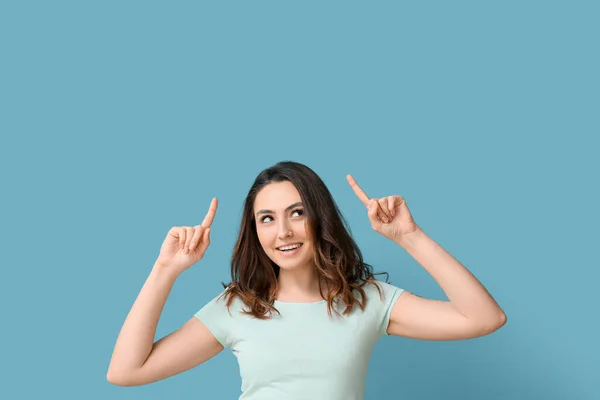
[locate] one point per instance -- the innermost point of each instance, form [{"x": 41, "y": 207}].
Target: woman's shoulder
[
  {"x": 378, "y": 291},
  {"x": 373, "y": 286},
  {"x": 225, "y": 302}
]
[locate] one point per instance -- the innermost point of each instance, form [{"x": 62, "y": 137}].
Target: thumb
[
  {"x": 373, "y": 207},
  {"x": 203, "y": 246}
]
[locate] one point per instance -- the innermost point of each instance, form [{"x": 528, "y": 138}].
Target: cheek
[
  {"x": 310, "y": 250},
  {"x": 264, "y": 237},
  {"x": 306, "y": 230}
]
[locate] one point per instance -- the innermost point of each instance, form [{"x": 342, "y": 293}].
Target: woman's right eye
[{"x": 264, "y": 218}]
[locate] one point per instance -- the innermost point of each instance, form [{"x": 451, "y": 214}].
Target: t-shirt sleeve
[
  {"x": 218, "y": 320},
  {"x": 390, "y": 294}
]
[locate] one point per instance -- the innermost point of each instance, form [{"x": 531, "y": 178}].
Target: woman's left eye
[{"x": 298, "y": 211}]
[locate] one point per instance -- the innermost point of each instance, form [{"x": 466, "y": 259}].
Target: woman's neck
[{"x": 299, "y": 285}]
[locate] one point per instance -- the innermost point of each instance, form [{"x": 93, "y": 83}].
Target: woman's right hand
[{"x": 185, "y": 245}]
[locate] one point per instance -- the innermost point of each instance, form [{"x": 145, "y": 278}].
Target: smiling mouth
[{"x": 289, "y": 248}]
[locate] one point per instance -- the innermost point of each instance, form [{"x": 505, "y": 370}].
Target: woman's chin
[{"x": 291, "y": 264}]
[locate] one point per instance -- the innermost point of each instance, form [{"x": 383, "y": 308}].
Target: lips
[
  {"x": 298, "y": 245},
  {"x": 288, "y": 245}
]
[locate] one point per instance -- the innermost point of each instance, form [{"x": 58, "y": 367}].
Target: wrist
[
  {"x": 164, "y": 271},
  {"x": 410, "y": 239}
]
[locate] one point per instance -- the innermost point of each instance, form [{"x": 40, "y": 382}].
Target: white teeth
[{"x": 294, "y": 246}]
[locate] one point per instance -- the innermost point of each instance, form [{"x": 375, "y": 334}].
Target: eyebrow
[{"x": 286, "y": 209}]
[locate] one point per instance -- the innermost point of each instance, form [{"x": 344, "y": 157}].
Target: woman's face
[{"x": 280, "y": 222}]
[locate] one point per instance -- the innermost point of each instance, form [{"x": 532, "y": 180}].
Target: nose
[{"x": 285, "y": 230}]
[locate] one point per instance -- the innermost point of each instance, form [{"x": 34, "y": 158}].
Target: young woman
[{"x": 303, "y": 310}]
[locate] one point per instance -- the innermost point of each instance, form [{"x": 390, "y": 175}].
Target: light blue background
[{"x": 122, "y": 119}]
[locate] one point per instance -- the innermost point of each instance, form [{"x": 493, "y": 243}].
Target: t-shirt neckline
[{"x": 301, "y": 303}]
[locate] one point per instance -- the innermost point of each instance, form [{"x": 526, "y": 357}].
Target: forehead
[{"x": 276, "y": 195}]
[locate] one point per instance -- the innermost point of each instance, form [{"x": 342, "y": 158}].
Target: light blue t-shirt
[{"x": 303, "y": 353}]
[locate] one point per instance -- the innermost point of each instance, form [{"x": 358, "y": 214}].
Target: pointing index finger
[
  {"x": 210, "y": 215},
  {"x": 362, "y": 196}
]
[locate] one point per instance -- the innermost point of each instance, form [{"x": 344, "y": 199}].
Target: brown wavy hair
[{"x": 336, "y": 255}]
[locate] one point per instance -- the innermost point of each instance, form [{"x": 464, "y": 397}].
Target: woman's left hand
[{"x": 388, "y": 215}]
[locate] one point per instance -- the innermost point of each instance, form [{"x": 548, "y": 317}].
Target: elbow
[
  {"x": 502, "y": 319},
  {"x": 495, "y": 324},
  {"x": 490, "y": 325},
  {"x": 119, "y": 378}
]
